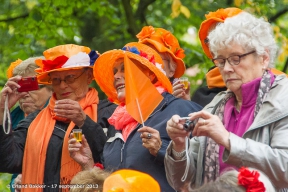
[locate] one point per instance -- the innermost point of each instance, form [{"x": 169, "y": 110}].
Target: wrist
[{"x": 178, "y": 147}]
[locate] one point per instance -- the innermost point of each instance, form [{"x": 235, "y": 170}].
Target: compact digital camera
[
  {"x": 188, "y": 125},
  {"x": 28, "y": 84}
]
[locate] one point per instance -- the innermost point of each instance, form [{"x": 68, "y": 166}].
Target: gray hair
[
  {"x": 26, "y": 67},
  {"x": 247, "y": 31}
]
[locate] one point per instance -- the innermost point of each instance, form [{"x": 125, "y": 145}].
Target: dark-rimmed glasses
[
  {"x": 68, "y": 79},
  {"x": 232, "y": 60}
]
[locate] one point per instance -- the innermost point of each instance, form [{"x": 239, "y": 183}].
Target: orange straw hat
[
  {"x": 103, "y": 68},
  {"x": 211, "y": 19},
  {"x": 126, "y": 180},
  {"x": 12, "y": 67},
  {"x": 164, "y": 41},
  {"x": 64, "y": 57}
]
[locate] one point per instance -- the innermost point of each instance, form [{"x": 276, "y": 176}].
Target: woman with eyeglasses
[
  {"x": 244, "y": 126},
  {"x": 39, "y": 145}
]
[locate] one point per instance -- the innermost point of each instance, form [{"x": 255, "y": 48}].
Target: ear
[
  {"x": 266, "y": 59},
  {"x": 90, "y": 76}
]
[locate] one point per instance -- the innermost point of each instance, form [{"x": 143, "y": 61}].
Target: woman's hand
[
  {"x": 180, "y": 92},
  {"x": 17, "y": 183},
  {"x": 81, "y": 152},
  {"x": 177, "y": 133},
  {"x": 70, "y": 109},
  {"x": 211, "y": 126},
  {"x": 10, "y": 90},
  {"x": 150, "y": 139}
]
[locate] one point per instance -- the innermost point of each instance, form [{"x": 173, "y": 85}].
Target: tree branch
[
  {"x": 140, "y": 13},
  {"x": 277, "y": 15},
  {"x": 132, "y": 26},
  {"x": 14, "y": 18},
  {"x": 285, "y": 66}
]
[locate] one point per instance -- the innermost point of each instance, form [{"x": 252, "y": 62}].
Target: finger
[{"x": 176, "y": 83}]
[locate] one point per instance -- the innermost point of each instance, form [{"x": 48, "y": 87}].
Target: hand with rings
[
  {"x": 150, "y": 139},
  {"x": 211, "y": 126}
]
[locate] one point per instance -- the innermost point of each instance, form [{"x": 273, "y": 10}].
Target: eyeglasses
[
  {"x": 232, "y": 60},
  {"x": 68, "y": 79}
]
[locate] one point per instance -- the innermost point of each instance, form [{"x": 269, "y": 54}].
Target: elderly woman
[
  {"x": 29, "y": 101},
  {"x": 135, "y": 147},
  {"x": 244, "y": 126},
  {"x": 167, "y": 46},
  {"x": 38, "y": 147}
]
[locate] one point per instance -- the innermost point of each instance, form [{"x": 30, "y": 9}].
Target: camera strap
[
  {"x": 187, "y": 159},
  {"x": 6, "y": 115}
]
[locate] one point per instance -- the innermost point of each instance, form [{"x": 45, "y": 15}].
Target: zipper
[{"x": 122, "y": 152}]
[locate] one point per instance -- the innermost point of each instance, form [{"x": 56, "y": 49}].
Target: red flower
[
  {"x": 143, "y": 54},
  {"x": 54, "y": 64},
  {"x": 99, "y": 165},
  {"x": 250, "y": 180}
]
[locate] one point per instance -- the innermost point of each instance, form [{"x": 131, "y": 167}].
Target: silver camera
[{"x": 188, "y": 125}]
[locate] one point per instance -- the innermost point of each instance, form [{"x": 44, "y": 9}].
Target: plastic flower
[
  {"x": 146, "y": 32},
  {"x": 180, "y": 53},
  {"x": 99, "y": 165},
  {"x": 170, "y": 41},
  {"x": 54, "y": 64},
  {"x": 93, "y": 56},
  {"x": 250, "y": 180}
]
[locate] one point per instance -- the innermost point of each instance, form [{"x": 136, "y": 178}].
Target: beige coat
[{"x": 264, "y": 145}]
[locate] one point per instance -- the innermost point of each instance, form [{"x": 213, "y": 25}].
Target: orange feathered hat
[
  {"x": 12, "y": 67},
  {"x": 103, "y": 68},
  {"x": 211, "y": 19},
  {"x": 165, "y": 42},
  {"x": 64, "y": 57},
  {"x": 126, "y": 180}
]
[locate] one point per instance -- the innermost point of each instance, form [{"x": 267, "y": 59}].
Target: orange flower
[
  {"x": 223, "y": 13},
  {"x": 146, "y": 32},
  {"x": 170, "y": 41},
  {"x": 180, "y": 53},
  {"x": 12, "y": 67}
]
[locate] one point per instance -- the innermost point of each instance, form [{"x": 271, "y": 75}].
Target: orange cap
[
  {"x": 165, "y": 42},
  {"x": 12, "y": 67},
  {"x": 213, "y": 17},
  {"x": 126, "y": 180}
]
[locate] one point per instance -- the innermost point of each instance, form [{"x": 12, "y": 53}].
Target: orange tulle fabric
[
  {"x": 12, "y": 67},
  {"x": 38, "y": 137}
]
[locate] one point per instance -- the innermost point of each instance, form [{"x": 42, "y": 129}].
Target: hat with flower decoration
[
  {"x": 64, "y": 57},
  {"x": 145, "y": 55},
  {"x": 211, "y": 19},
  {"x": 12, "y": 67},
  {"x": 165, "y": 42},
  {"x": 130, "y": 181}
]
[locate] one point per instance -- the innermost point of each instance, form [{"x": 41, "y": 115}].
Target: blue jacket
[{"x": 132, "y": 155}]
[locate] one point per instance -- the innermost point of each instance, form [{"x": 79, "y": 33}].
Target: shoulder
[
  {"x": 181, "y": 103},
  {"x": 105, "y": 104}
]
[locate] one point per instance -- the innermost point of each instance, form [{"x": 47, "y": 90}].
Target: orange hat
[
  {"x": 164, "y": 41},
  {"x": 64, "y": 57},
  {"x": 12, "y": 67},
  {"x": 103, "y": 68},
  {"x": 214, "y": 78},
  {"x": 213, "y": 17},
  {"x": 126, "y": 180}
]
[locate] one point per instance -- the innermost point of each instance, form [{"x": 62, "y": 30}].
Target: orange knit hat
[
  {"x": 64, "y": 57},
  {"x": 165, "y": 42},
  {"x": 213, "y": 17},
  {"x": 103, "y": 68},
  {"x": 126, "y": 180},
  {"x": 12, "y": 67}
]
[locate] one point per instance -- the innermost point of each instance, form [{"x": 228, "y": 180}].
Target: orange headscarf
[{"x": 38, "y": 137}]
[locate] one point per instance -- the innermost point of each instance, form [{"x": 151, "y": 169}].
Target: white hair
[{"x": 247, "y": 31}]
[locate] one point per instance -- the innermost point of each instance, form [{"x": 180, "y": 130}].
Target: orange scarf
[{"x": 38, "y": 137}]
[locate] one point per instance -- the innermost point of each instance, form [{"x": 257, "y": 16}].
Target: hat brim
[
  {"x": 104, "y": 76},
  {"x": 43, "y": 78},
  {"x": 180, "y": 69}
]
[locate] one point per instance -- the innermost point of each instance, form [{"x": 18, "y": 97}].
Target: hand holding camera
[{"x": 188, "y": 124}]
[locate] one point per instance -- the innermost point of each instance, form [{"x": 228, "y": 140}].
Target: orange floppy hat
[
  {"x": 12, "y": 67},
  {"x": 212, "y": 18},
  {"x": 126, "y": 180},
  {"x": 64, "y": 57},
  {"x": 164, "y": 41},
  {"x": 103, "y": 68}
]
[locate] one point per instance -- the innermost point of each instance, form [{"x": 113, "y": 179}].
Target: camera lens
[{"x": 33, "y": 78}]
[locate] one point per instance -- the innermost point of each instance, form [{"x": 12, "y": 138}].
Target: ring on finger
[
  {"x": 204, "y": 122},
  {"x": 149, "y": 136}
]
